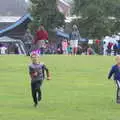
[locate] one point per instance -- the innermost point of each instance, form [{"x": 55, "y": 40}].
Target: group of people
[
  {"x": 78, "y": 49},
  {"x": 9, "y": 49},
  {"x": 66, "y": 47},
  {"x": 71, "y": 46},
  {"x": 111, "y": 45}
]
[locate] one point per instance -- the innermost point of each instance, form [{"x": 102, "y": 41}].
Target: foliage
[
  {"x": 45, "y": 12},
  {"x": 99, "y": 17}
]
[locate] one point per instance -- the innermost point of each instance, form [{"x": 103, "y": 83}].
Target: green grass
[{"x": 78, "y": 90}]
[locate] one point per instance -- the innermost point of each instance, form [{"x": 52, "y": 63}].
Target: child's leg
[
  {"x": 118, "y": 91},
  {"x": 38, "y": 90},
  {"x": 39, "y": 94},
  {"x": 33, "y": 88},
  {"x": 76, "y": 50}
]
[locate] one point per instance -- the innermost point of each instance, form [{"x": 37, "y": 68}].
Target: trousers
[{"x": 36, "y": 91}]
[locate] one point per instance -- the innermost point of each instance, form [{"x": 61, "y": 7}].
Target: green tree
[
  {"x": 45, "y": 12},
  {"x": 97, "y": 17}
]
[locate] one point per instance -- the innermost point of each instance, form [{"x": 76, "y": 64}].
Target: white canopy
[{"x": 19, "y": 43}]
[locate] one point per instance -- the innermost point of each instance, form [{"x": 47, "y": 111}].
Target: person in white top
[{"x": 3, "y": 50}]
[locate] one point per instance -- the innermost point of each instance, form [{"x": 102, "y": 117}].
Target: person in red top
[
  {"x": 40, "y": 37},
  {"x": 97, "y": 42}
]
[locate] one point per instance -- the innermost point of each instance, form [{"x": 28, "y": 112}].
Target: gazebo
[
  {"x": 12, "y": 43},
  {"x": 17, "y": 29},
  {"x": 14, "y": 18}
]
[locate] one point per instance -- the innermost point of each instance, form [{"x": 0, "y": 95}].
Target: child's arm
[
  {"x": 47, "y": 72},
  {"x": 111, "y": 73}
]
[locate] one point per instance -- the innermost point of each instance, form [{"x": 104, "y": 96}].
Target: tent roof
[
  {"x": 9, "y": 19},
  {"x": 65, "y": 3},
  {"x": 7, "y": 39},
  {"x": 20, "y": 21}
]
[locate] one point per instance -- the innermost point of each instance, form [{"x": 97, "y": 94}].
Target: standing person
[
  {"x": 37, "y": 74},
  {"x": 115, "y": 71},
  {"x": 3, "y": 50},
  {"x": 97, "y": 43},
  {"x": 69, "y": 49},
  {"x": 119, "y": 47},
  {"x": 105, "y": 45},
  {"x": 64, "y": 46},
  {"x": 115, "y": 48},
  {"x": 104, "y": 48},
  {"x": 74, "y": 38},
  {"x": 28, "y": 39},
  {"x": 79, "y": 49},
  {"x": 109, "y": 48},
  {"x": 40, "y": 38}
]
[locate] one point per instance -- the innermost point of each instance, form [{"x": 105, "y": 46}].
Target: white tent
[{"x": 18, "y": 43}]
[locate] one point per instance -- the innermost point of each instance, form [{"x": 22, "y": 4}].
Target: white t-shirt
[{"x": 2, "y": 50}]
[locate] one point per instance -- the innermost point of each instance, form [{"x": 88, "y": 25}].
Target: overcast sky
[{"x": 12, "y": 7}]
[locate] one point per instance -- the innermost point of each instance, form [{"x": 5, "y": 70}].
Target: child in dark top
[
  {"x": 115, "y": 72},
  {"x": 37, "y": 74}
]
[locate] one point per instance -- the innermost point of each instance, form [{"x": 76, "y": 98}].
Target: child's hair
[
  {"x": 117, "y": 57},
  {"x": 34, "y": 54}
]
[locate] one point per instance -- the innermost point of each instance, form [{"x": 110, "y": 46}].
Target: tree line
[{"x": 98, "y": 17}]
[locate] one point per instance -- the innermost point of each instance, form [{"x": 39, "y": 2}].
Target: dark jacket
[{"x": 115, "y": 72}]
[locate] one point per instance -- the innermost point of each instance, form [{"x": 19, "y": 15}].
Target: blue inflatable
[{"x": 62, "y": 34}]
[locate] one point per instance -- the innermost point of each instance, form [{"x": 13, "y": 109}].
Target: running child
[
  {"x": 37, "y": 74},
  {"x": 115, "y": 72}
]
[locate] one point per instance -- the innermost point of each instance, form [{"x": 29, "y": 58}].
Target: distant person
[
  {"x": 98, "y": 43},
  {"x": 115, "y": 49},
  {"x": 16, "y": 50},
  {"x": 105, "y": 45},
  {"x": 37, "y": 74},
  {"x": 64, "y": 46},
  {"x": 40, "y": 38},
  {"x": 69, "y": 49},
  {"x": 3, "y": 50},
  {"x": 119, "y": 47},
  {"x": 28, "y": 39},
  {"x": 59, "y": 49},
  {"x": 104, "y": 48},
  {"x": 79, "y": 49},
  {"x": 74, "y": 38},
  {"x": 115, "y": 72},
  {"x": 89, "y": 51},
  {"x": 109, "y": 48}
]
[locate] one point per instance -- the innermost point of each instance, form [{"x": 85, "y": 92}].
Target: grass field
[{"x": 78, "y": 90}]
